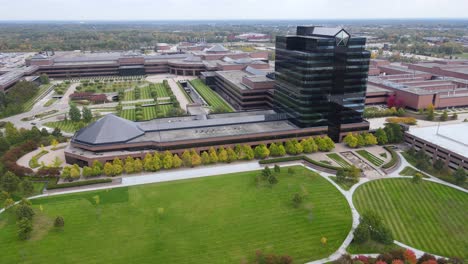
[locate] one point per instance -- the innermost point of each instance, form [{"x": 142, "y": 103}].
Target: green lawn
[
  {"x": 338, "y": 159},
  {"x": 408, "y": 171},
  {"x": 370, "y": 157},
  {"x": 50, "y": 102},
  {"x": 222, "y": 219},
  {"x": 210, "y": 96},
  {"x": 345, "y": 185},
  {"x": 428, "y": 216},
  {"x": 64, "y": 125},
  {"x": 28, "y": 105}
]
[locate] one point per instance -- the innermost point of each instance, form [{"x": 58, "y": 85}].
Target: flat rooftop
[{"x": 450, "y": 137}]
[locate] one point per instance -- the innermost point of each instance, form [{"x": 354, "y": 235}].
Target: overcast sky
[{"x": 227, "y": 9}]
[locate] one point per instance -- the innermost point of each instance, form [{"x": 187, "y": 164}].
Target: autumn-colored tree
[
  {"x": 248, "y": 152},
  {"x": 117, "y": 169},
  {"x": 222, "y": 155},
  {"x": 397, "y": 261},
  {"x": 261, "y": 152},
  {"x": 129, "y": 165},
  {"x": 281, "y": 150},
  {"x": 410, "y": 257},
  {"x": 290, "y": 148},
  {"x": 186, "y": 159},
  {"x": 231, "y": 155},
  {"x": 157, "y": 164},
  {"x": 213, "y": 155},
  {"x": 274, "y": 151},
  {"x": 205, "y": 158},
  {"x": 138, "y": 166},
  {"x": 176, "y": 161},
  {"x": 195, "y": 158},
  {"x": 167, "y": 161},
  {"x": 117, "y": 161},
  {"x": 351, "y": 140},
  {"x": 148, "y": 162}
]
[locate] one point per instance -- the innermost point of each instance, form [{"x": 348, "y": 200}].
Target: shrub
[
  {"x": 59, "y": 222},
  {"x": 393, "y": 160},
  {"x": 297, "y": 200},
  {"x": 52, "y": 186},
  {"x": 25, "y": 228},
  {"x": 417, "y": 178},
  {"x": 361, "y": 234}
]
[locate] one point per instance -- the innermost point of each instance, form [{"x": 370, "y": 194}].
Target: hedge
[
  {"x": 295, "y": 158},
  {"x": 392, "y": 161},
  {"x": 52, "y": 185},
  {"x": 284, "y": 159}
]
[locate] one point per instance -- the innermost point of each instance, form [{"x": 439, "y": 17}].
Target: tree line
[{"x": 191, "y": 158}]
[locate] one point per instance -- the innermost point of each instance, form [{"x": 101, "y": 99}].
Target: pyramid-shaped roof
[
  {"x": 109, "y": 129},
  {"x": 217, "y": 48}
]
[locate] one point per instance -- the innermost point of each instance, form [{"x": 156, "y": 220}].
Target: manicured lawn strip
[
  {"x": 370, "y": 157},
  {"x": 428, "y": 216},
  {"x": 205, "y": 220},
  {"x": 64, "y": 125},
  {"x": 393, "y": 160},
  {"x": 339, "y": 160},
  {"x": 35, "y": 164},
  {"x": 161, "y": 90},
  {"x": 210, "y": 96},
  {"x": 128, "y": 114},
  {"x": 28, "y": 105},
  {"x": 129, "y": 95},
  {"x": 145, "y": 92},
  {"x": 50, "y": 102},
  {"x": 408, "y": 171},
  {"x": 346, "y": 185}
]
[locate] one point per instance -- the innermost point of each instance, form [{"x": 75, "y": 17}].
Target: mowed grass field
[
  {"x": 210, "y": 96},
  {"x": 427, "y": 216},
  {"x": 220, "y": 219}
]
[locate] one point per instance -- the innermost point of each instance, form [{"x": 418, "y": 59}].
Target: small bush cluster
[{"x": 400, "y": 256}]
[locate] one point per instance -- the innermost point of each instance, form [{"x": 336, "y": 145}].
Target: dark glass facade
[{"x": 321, "y": 77}]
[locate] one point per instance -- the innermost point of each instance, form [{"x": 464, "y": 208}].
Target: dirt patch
[{"x": 42, "y": 224}]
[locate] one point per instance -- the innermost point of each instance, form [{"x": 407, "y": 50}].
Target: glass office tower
[{"x": 321, "y": 78}]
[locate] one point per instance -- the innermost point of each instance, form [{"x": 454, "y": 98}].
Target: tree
[
  {"x": 213, "y": 155},
  {"x": 74, "y": 173},
  {"x": 430, "y": 112},
  {"x": 394, "y": 133},
  {"x": 167, "y": 160},
  {"x": 350, "y": 140},
  {"x": 148, "y": 162},
  {"x": 195, "y": 158},
  {"x": 277, "y": 168},
  {"x": 222, "y": 155},
  {"x": 156, "y": 161},
  {"x": 370, "y": 139},
  {"x": 248, "y": 152},
  {"x": 410, "y": 257},
  {"x": 8, "y": 203},
  {"x": 272, "y": 180},
  {"x": 97, "y": 169},
  {"x": 417, "y": 178},
  {"x": 117, "y": 169},
  {"x": 444, "y": 116},
  {"x": 129, "y": 165},
  {"x": 297, "y": 200},
  {"x": 108, "y": 169},
  {"x": 231, "y": 155},
  {"x": 54, "y": 143},
  {"x": 261, "y": 152},
  {"x": 281, "y": 150},
  {"x": 176, "y": 161},
  {"x": 24, "y": 210},
  {"x": 74, "y": 113},
  {"x": 44, "y": 78},
  {"x": 87, "y": 171},
  {"x": 186, "y": 159},
  {"x": 9, "y": 182},
  {"x": 361, "y": 141},
  {"x": 361, "y": 234},
  {"x": 87, "y": 114},
  {"x": 25, "y": 228},
  {"x": 266, "y": 172},
  {"x": 460, "y": 176},
  {"x": 274, "y": 151},
  {"x": 299, "y": 148},
  {"x": 59, "y": 222},
  {"x": 290, "y": 148},
  {"x": 27, "y": 187},
  {"x": 138, "y": 166},
  {"x": 381, "y": 136},
  {"x": 97, "y": 163},
  {"x": 205, "y": 158},
  {"x": 439, "y": 164}
]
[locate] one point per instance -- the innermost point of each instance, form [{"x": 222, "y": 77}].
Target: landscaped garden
[
  {"x": 339, "y": 160},
  {"x": 370, "y": 157},
  {"x": 425, "y": 215},
  {"x": 211, "y": 97},
  {"x": 206, "y": 220}
]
